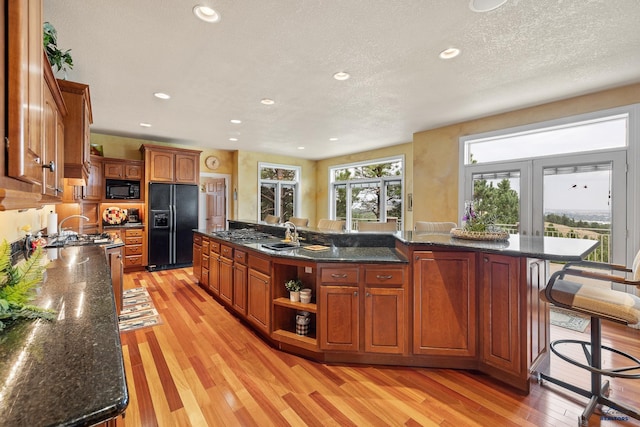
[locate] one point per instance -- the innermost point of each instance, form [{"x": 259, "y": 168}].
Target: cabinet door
[
  {"x": 240, "y": 288},
  {"x": 384, "y": 320},
  {"x": 91, "y": 211},
  {"x": 161, "y": 166},
  {"x": 132, "y": 171},
  {"x": 187, "y": 168},
  {"x": 339, "y": 318},
  {"x": 24, "y": 90},
  {"x": 114, "y": 170},
  {"x": 259, "y": 300},
  {"x": 114, "y": 256},
  {"x": 94, "y": 189},
  {"x": 197, "y": 263},
  {"x": 444, "y": 310},
  {"x": 49, "y": 138},
  {"x": 226, "y": 280},
  {"x": 214, "y": 272},
  {"x": 499, "y": 312}
]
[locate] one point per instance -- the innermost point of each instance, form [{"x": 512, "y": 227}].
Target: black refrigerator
[{"x": 173, "y": 211}]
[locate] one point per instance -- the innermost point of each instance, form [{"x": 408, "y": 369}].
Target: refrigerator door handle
[{"x": 172, "y": 232}]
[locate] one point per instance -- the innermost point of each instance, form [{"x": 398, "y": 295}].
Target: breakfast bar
[{"x": 404, "y": 298}]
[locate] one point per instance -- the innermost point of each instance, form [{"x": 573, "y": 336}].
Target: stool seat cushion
[{"x": 597, "y": 301}]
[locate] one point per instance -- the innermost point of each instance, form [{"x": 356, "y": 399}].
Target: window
[
  {"x": 279, "y": 191},
  {"x": 370, "y": 191}
]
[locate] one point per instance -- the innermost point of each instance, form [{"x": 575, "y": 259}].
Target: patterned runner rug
[
  {"x": 569, "y": 319},
  {"x": 137, "y": 310}
]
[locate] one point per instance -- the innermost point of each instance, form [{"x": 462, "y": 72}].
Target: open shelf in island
[
  {"x": 286, "y": 302},
  {"x": 308, "y": 342}
]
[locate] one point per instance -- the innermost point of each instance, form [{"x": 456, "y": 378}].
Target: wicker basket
[{"x": 461, "y": 233}]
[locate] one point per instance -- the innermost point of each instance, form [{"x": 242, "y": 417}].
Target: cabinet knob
[
  {"x": 355, "y": 293},
  {"x": 383, "y": 278},
  {"x": 338, "y": 276},
  {"x": 368, "y": 294}
]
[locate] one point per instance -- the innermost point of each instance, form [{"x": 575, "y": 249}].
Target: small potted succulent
[{"x": 294, "y": 286}]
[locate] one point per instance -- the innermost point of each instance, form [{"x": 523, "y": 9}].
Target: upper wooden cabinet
[
  {"x": 123, "y": 169},
  {"x": 54, "y": 111},
  {"x": 169, "y": 164},
  {"x": 76, "y": 129}
]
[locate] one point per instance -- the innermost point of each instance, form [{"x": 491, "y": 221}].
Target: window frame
[{"x": 296, "y": 184}]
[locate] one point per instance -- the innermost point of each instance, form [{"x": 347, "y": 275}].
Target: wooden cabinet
[
  {"x": 444, "y": 295},
  {"x": 339, "y": 317},
  {"x": 123, "y": 169},
  {"x": 204, "y": 263},
  {"x": 134, "y": 247},
  {"x": 259, "y": 299},
  {"x": 214, "y": 267},
  {"x": 25, "y": 91},
  {"x": 240, "y": 281},
  {"x": 114, "y": 258},
  {"x": 169, "y": 164},
  {"x": 54, "y": 111},
  {"x": 77, "y": 136},
  {"x": 197, "y": 257},
  {"x": 226, "y": 274},
  {"x": 385, "y": 310},
  {"x": 94, "y": 190}
]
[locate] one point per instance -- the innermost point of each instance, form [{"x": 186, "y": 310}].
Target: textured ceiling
[{"x": 522, "y": 54}]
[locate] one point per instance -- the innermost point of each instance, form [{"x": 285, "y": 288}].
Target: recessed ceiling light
[
  {"x": 341, "y": 75},
  {"x": 267, "y": 101},
  {"x": 300, "y": 148},
  {"x": 233, "y": 139},
  {"x": 206, "y": 14},
  {"x": 333, "y": 139},
  {"x": 485, "y": 5},
  {"x": 145, "y": 125},
  {"x": 235, "y": 121},
  {"x": 162, "y": 95},
  {"x": 450, "y": 53}
]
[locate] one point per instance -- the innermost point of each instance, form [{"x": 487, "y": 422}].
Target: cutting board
[{"x": 315, "y": 248}]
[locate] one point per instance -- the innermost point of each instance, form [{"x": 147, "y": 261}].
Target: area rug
[
  {"x": 569, "y": 319},
  {"x": 137, "y": 310}
]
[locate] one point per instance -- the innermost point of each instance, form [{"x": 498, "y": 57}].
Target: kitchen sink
[
  {"x": 280, "y": 246},
  {"x": 78, "y": 240}
]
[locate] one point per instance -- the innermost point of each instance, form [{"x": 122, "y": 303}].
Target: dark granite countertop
[
  {"x": 353, "y": 244},
  {"x": 68, "y": 371}
]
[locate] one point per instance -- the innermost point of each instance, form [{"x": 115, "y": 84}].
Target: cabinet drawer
[
  {"x": 132, "y": 261},
  {"x": 214, "y": 247},
  {"x": 197, "y": 239},
  {"x": 391, "y": 276},
  {"x": 205, "y": 261},
  {"x": 339, "y": 275},
  {"x": 133, "y": 250},
  {"x": 133, "y": 232},
  {"x": 260, "y": 264},
  {"x": 240, "y": 256},
  {"x": 205, "y": 245},
  {"x": 132, "y": 240},
  {"x": 226, "y": 251}
]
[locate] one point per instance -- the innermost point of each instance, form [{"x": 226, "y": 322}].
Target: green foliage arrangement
[
  {"x": 293, "y": 285},
  {"x": 17, "y": 285},
  {"x": 57, "y": 58}
]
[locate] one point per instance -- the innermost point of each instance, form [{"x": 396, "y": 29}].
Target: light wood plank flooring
[{"x": 202, "y": 367}]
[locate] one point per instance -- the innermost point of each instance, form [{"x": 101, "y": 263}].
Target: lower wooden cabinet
[
  {"x": 197, "y": 257},
  {"x": 444, "y": 303},
  {"x": 259, "y": 299},
  {"x": 114, "y": 258},
  {"x": 384, "y": 324},
  {"x": 214, "y": 267},
  {"x": 133, "y": 248},
  {"x": 240, "y": 288},
  {"x": 226, "y": 280},
  {"x": 339, "y": 318}
]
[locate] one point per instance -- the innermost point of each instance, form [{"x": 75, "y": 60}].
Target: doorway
[{"x": 213, "y": 202}]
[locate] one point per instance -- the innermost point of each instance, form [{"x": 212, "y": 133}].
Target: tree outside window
[{"x": 278, "y": 190}]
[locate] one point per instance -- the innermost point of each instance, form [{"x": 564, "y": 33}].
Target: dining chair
[
  {"x": 271, "y": 219},
  {"x": 299, "y": 222},
  {"x": 586, "y": 287},
  {"x": 434, "y": 227},
  {"x": 331, "y": 224},
  {"x": 365, "y": 226}
]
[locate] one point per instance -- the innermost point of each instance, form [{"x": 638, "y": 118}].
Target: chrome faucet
[
  {"x": 60, "y": 231},
  {"x": 293, "y": 236}
]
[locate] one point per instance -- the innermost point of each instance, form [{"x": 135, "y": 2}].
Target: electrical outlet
[{"x": 308, "y": 269}]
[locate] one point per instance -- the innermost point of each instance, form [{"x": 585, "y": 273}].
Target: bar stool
[{"x": 600, "y": 303}]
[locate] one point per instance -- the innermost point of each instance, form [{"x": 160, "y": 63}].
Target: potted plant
[
  {"x": 294, "y": 286},
  {"x": 60, "y": 59}
]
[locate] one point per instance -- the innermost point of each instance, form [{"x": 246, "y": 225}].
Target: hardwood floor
[{"x": 202, "y": 367}]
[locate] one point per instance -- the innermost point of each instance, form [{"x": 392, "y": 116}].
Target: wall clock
[{"x": 212, "y": 162}]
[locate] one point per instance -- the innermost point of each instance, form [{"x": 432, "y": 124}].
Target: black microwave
[{"x": 120, "y": 189}]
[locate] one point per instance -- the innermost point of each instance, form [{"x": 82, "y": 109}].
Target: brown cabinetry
[
  {"x": 114, "y": 258},
  {"x": 197, "y": 257},
  {"x": 226, "y": 274},
  {"x": 134, "y": 248},
  {"x": 76, "y": 127},
  {"x": 385, "y": 323},
  {"x": 214, "y": 267},
  {"x": 54, "y": 111},
  {"x": 123, "y": 169},
  {"x": 204, "y": 262},
  {"x": 259, "y": 293},
  {"x": 240, "y": 281},
  {"x": 444, "y": 295},
  {"x": 94, "y": 190},
  {"x": 339, "y": 317},
  {"x": 169, "y": 164}
]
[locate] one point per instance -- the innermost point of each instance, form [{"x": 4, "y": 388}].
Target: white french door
[{"x": 592, "y": 185}]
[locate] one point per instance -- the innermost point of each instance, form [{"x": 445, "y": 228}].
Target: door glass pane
[
  {"x": 393, "y": 202},
  {"x": 497, "y": 194},
  {"x": 340, "y": 201},
  {"x": 286, "y": 201},
  {"x": 365, "y": 202},
  {"x": 267, "y": 200},
  {"x": 577, "y": 203}
]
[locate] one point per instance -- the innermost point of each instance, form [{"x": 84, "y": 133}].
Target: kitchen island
[
  {"x": 392, "y": 298},
  {"x": 68, "y": 371}
]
